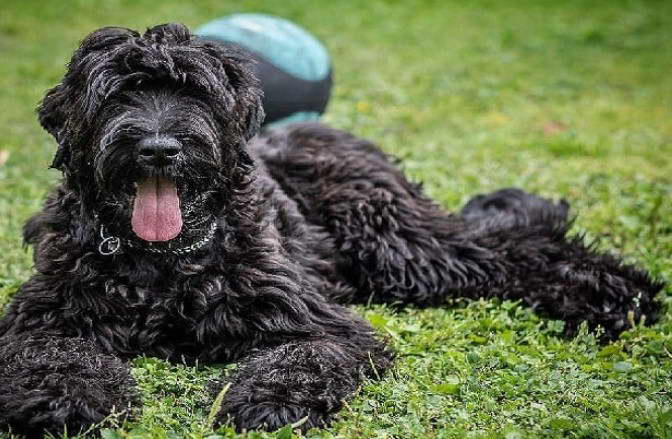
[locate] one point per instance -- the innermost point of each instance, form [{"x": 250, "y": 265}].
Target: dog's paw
[
  {"x": 271, "y": 416},
  {"x": 519, "y": 206},
  {"x": 50, "y": 384},
  {"x": 248, "y": 409}
]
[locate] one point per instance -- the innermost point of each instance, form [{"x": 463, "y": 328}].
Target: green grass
[{"x": 569, "y": 99}]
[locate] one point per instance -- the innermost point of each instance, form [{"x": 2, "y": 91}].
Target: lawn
[{"x": 571, "y": 99}]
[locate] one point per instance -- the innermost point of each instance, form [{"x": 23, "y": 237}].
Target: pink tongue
[{"x": 156, "y": 210}]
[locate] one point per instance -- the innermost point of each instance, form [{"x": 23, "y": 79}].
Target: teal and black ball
[{"x": 293, "y": 66}]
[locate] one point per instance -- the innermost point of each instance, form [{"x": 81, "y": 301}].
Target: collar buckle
[{"x": 109, "y": 244}]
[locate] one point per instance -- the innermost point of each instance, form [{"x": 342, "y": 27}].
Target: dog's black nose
[{"x": 159, "y": 150}]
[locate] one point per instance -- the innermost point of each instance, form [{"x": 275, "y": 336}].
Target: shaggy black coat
[{"x": 278, "y": 230}]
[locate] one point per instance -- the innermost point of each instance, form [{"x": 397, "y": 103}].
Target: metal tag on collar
[{"x": 109, "y": 244}]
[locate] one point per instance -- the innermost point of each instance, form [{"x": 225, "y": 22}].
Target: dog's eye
[
  {"x": 191, "y": 139},
  {"x": 187, "y": 139},
  {"x": 133, "y": 131}
]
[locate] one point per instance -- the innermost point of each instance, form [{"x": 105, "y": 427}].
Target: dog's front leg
[
  {"x": 52, "y": 384},
  {"x": 301, "y": 381}
]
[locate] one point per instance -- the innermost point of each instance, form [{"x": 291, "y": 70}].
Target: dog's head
[{"x": 152, "y": 128}]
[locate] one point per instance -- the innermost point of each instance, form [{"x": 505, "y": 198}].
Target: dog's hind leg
[
  {"x": 404, "y": 248},
  {"x": 382, "y": 224},
  {"x": 512, "y": 207}
]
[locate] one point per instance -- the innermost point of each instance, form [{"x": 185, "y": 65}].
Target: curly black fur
[
  {"x": 49, "y": 381},
  {"x": 305, "y": 218}
]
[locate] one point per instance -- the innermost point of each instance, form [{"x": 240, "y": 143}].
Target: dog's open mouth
[{"x": 156, "y": 210}]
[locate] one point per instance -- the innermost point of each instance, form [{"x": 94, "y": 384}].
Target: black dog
[{"x": 173, "y": 234}]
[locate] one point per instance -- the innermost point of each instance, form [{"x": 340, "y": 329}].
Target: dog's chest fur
[{"x": 205, "y": 305}]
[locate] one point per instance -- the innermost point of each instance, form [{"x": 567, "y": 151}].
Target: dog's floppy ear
[
  {"x": 255, "y": 117},
  {"x": 52, "y": 116},
  {"x": 62, "y": 109},
  {"x": 236, "y": 72},
  {"x": 249, "y": 95}
]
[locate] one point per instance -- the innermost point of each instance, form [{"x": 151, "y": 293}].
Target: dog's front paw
[
  {"x": 248, "y": 410},
  {"x": 50, "y": 384},
  {"x": 270, "y": 416}
]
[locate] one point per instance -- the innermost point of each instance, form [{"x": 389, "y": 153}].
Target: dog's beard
[
  {"x": 159, "y": 204},
  {"x": 175, "y": 205}
]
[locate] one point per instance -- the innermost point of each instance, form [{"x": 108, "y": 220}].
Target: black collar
[{"x": 110, "y": 245}]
